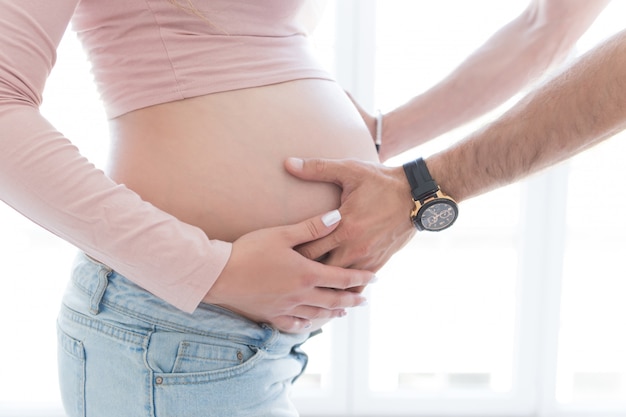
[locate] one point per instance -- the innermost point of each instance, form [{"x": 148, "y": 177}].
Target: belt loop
[
  {"x": 96, "y": 297},
  {"x": 272, "y": 336}
]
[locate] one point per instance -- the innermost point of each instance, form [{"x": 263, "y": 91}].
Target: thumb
[
  {"x": 314, "y": 169},
  {"x": 313, "y": 228}
]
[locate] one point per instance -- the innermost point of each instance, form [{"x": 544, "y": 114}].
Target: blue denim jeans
[{"x": 124, "y": 352}]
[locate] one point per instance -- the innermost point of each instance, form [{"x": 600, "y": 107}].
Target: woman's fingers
[
  {"x": 312, "y": 229},
  {"x": 265, "y": 278}
]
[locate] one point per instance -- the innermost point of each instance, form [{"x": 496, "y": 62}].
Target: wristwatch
[{"x": 434, "y": 210}]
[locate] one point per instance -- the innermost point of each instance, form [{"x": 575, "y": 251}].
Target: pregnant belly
[{"x": 216, "y": 161}]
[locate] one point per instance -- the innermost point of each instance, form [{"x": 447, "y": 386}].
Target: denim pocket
[
  {"x": 208, "y": 379},
  {"x": 183, "y": 357},
  {"x": 71, "y": 361},
  {"x": 202, "y": 357},
  {"x": 214, "y": 376}
]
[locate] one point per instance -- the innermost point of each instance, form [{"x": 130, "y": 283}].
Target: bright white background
[{"x": 517, "y": 310}]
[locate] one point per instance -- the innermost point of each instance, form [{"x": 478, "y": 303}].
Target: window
[{"x": 512, "y": 312}]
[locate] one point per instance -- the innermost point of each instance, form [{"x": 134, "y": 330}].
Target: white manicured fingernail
[
  {"x": 296, "y": 163},
  {"x": 331, "y": 218}
]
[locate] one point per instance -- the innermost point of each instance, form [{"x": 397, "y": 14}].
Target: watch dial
[{"x": 438, "y": 216}]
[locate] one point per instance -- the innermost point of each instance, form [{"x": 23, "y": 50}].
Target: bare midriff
[{"x": 217, "y": 161}]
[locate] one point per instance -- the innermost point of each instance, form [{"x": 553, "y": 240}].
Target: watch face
[{"x": 437, "y": 215}]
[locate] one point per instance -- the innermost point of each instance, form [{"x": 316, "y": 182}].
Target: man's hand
[
  {"x": 375, "y": 206},
  {"x": 266, "y": 280}
]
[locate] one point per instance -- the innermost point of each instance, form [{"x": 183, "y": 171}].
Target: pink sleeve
[{"x": 43, "y": 176}]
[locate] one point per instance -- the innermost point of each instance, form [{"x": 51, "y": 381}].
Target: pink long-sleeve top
[{"x": 143, "y": 52}]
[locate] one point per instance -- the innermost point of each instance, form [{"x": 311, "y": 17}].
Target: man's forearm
[
  {"x": 516, "y": 55},
  {"x": 582, "y": 106}
]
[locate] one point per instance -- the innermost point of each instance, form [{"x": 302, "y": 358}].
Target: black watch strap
[{"x": 422, "y": 184}]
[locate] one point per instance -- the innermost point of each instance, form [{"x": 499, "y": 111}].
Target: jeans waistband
[{"x": 105, "y": 289}]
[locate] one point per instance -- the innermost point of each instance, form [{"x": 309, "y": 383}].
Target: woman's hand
[
  {"x": 267, "y": 280},
  {"x": 375, "y": 206}
]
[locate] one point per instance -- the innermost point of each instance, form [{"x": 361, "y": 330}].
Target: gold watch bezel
[{"x": 418, "y": 204}]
